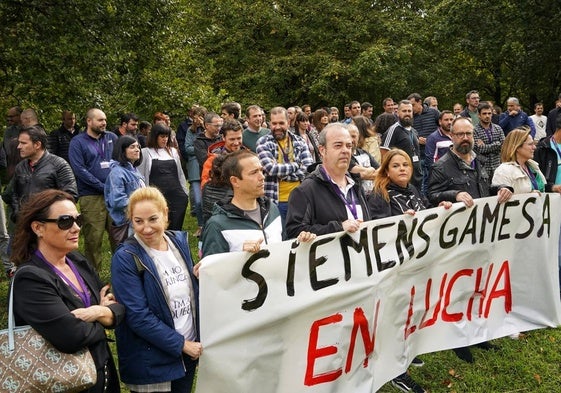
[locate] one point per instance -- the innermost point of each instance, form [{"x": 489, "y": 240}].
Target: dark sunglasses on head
[{"x": 66, "y": 221}]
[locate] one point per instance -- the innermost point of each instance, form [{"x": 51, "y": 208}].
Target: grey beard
[{"x": 464, "y": 149}]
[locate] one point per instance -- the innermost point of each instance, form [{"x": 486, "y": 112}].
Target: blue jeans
[
  {"x": 196, "y": 197},
  {"x": 185, "y": 384},
  {"x": 283, "y": 209}
]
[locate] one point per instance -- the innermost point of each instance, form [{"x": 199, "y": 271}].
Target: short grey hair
[
  {"x": 278, "y": 110},
  {"x": 322, "y": 138},
  {"x": 513, "y": 100}
]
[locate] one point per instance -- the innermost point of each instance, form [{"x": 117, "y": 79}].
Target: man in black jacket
[
  {"x": 460, "y": 176},
  {"x": 552, "y": 116},
  {"x": 331, "y": 200},
  {"x": 548, "y": 157},
  {"x": 39, "y": 170},
  {"x": 59, "y": 139}
]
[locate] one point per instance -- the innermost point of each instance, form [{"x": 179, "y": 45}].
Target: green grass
[{"x": 531, "y": 364}]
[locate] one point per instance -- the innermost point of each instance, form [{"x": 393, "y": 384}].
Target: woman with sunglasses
[
  {"x": 161, "y": 168},
  {"x": 152, "y": 273},
  {"x": 56, "y": 290}
]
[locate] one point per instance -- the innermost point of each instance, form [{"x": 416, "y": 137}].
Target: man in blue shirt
[
  {"x": 90, "y": 153},
  {"x": 515, "y": 117}
]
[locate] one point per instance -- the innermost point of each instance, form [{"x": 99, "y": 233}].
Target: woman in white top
[
  {"x": 518, "y": 170},
  {"x": 161, "y": 168}
]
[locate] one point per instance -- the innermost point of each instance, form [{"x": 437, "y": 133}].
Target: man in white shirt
[{"x": 540, "y": 121}]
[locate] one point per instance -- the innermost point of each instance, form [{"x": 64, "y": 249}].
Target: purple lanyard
[
  {"x": 350, "y": 204},
  {"x": 84, "y": 294},
  {"x": 489, "y": 133},
  {"x": 96, "y": 146},
  {"x": 532, "y": 178}
]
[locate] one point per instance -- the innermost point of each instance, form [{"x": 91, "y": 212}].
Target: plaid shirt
[
  {"x": 493, "y": 139},
  {"x": 268, "y": 152}
]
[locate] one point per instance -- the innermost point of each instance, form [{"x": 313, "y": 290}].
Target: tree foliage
[{"x": 153, "y": 55}]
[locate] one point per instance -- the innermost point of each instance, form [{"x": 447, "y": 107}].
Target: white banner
[{"x": 348, "y": 313}]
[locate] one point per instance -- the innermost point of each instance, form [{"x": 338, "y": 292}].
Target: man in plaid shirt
[
  {"x": 285, "y": 158},
  {"x": 488, "y": 138}
]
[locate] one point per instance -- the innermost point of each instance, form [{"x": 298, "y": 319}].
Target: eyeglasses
[
  {"x": 66, "y": 221},
  {"x": 463, "y": 134}
]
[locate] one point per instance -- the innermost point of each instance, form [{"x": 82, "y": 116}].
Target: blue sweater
[
  {"x": 509, "y": 123},
  {"x": 89, "y": 159}
]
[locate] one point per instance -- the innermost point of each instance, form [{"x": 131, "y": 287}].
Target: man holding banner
[
  {"x": 249, "y": 219},
  {"x": 459, "y": 176},
  {"x": 330, "y": 201},
  {"x": 548, "y": 157},
  {"x": 348, "y": 311}
]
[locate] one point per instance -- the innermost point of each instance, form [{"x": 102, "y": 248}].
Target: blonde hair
[
  {"x": 151, "y": 194},
  {"x": 513, "y": 141},
  {"x": 382, "y": 180}
]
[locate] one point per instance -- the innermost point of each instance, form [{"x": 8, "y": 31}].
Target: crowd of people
[{"x": 248, "y": 181}]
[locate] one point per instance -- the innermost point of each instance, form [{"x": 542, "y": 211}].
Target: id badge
[
  {"x": 104, "y": 164},
  {"x": 415, "y": 158}
]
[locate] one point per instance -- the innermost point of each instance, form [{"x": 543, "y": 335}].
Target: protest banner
[{"x": 349, "y": 312}]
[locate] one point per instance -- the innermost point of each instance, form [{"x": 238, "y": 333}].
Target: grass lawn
[{"x": 531, "y": 364}]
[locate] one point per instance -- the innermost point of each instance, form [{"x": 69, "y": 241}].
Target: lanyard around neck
[
  {"x": 84, "y": 294},
  {"x": 351, "y": 204}
]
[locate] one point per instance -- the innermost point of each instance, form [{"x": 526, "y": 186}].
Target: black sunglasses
[{"x": 66, "y": 221}]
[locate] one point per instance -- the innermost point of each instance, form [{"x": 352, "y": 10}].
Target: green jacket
[{"x": 228, "y": 227}]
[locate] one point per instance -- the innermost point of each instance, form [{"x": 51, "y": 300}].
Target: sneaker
[
  {"x": 417, "y": 362},
  {"x": 406, "y": 384}
]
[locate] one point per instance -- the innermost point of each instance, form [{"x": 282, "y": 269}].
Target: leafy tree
[
  {"x": 502, "y": 48},
  {"x": 113, "y": 54}
]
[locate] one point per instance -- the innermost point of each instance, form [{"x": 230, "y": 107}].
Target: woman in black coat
[{"x": 56, "y": 290}]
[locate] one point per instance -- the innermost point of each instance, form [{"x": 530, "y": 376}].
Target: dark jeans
[{"x": 184, "y": 384}]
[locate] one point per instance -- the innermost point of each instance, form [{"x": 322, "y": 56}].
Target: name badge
[{"x": 104, "y": 164}]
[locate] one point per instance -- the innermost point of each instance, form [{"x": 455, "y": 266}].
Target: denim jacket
[{"x": 119, "y": 185}]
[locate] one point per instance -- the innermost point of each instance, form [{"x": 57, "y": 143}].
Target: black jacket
[
  {"x": 201, "y": 144},
  {"x": 44, "y": 301},
  {"x": 50, "y": 171},
  {"x": 314, "y": 206},
  {"x": 551, "y": 120},
  {"x": 213, "y": 193},
  {"x": 401, "y": 200},
  {"x": 546, "y": 158},
  {"x": 450, "y": 175},
  {"x": 59, "y": 141}
]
